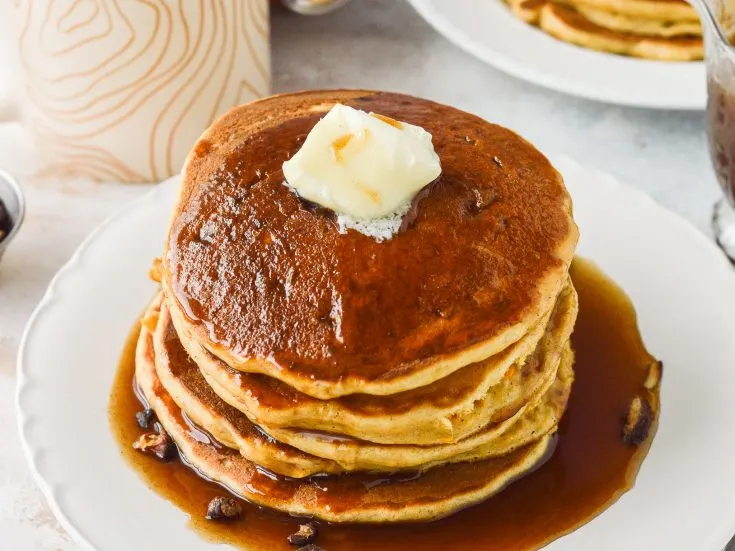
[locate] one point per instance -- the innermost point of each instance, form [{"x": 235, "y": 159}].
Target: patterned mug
[{"x": 121, "y": 90}]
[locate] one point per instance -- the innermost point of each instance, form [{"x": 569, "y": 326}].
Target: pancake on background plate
[
  {"x": 616, "y": 21},
  {"x": 663, "y": 30}
]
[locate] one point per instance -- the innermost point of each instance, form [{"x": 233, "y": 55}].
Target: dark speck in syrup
[{"x": 589, "y": 470}]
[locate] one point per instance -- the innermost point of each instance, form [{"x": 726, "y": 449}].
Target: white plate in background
[
  {"x": 488, "y": 30},
  {"x": 682, "y": 287}
]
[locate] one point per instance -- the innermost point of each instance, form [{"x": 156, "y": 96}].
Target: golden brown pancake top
[
  {"x": 268, "y": 276},
  {"x": 576, "y": 20}
]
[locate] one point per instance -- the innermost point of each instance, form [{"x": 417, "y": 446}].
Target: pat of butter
[{"x": 362, "y": 164}]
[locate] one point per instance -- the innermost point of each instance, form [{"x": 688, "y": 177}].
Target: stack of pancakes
[
  {"x": 330, "y": 375},
  {"x": 665, "y": 30}
]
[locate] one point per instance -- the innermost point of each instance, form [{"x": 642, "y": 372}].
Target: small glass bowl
[{"x": 12, "y": 197}]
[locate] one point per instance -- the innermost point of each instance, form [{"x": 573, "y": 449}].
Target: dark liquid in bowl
[
  {"x": 721, "y": 134},
  {"x": 6, "y": 224},
  {"x": 589, "y": 470}
]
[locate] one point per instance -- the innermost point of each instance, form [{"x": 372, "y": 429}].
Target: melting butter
[{"x": 365, "y": 166}]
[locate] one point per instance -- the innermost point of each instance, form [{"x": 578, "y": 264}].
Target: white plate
[
  {"x": 681, "y": 285},
  {"x": 487, "y": 29}
]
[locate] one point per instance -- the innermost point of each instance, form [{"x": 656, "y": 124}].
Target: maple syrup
[{"x": 589, "y": 470}]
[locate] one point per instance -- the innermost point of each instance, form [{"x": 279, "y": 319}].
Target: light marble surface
[{"x": 370, "y": 43}]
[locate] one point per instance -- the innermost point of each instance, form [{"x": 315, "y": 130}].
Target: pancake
[
  {"x": 659, "y": 10},
  {"x": 182, "y": 380},
  {"x": 526, "y": 426},
  {"x": 444, "y": 411},
  {"x": 571, "y": 26},
  {"x": 358, "y": 497},
  {"x": 527, "y": 10},
  {"x": 165, "y": 355},
  {"x": 269, "y": 285},
  {"x": 419, "y": 415},
  {"x": 636, "y": 25}
]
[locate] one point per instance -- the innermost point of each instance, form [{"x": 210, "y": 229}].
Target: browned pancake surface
[{"x": 266, "y": 276}]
